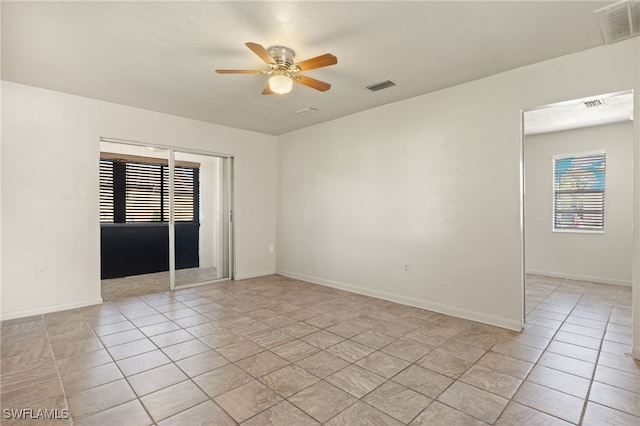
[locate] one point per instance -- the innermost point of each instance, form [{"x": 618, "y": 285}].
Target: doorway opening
[
  {"x": 165, "y": 218},
  {"x": 577, "y": 218}
]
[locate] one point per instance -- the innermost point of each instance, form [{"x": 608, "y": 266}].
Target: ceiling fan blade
[
  {"x": 313, "y": 83},
  {"x": 239, "y": 72},
  {"x": 317, "y": 62},
  {"x": 267, "y": 90},
  {"x": 260, "y": 51}
]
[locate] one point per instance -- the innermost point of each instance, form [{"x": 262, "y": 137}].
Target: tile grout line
[
  {"x": 55, "y": 363},
  {"x": 189, "y": 378},
  {"x": 265, "y": 349},
  {"x": 124, "y": 376},
  {"x": 320, "y": 349},
  {"x": 595, "y": 366},
  {"x": 534, "y": 363},
  {"x": 542, "y": 354},
  {"x": 586, "y": 397}
]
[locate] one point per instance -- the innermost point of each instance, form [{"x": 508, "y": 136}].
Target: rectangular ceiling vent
[
  {"x": 619, "y": 21},
  {"x": 593, "y": 103},
  {"x": 306, "y": 110},
  {"x": 382, "y": 85}
]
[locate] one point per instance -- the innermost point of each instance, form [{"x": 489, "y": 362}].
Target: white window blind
[
  {"x": 132, "y": 191},
  {"x": 578, "y": 192},
  {"x": 106, "y": 191},
  {"x": 183, "y": 193},
  {"x": 144, "y": 192}
]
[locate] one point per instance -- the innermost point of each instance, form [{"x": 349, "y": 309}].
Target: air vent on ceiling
[
  {"x": 593, "y": 103},
  {"x": 306, "y": 110},
  {"x": 381, "y": 85},
  {"x": 619, "y": 21}
]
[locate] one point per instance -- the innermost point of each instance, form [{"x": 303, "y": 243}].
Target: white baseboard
[
  {"x": 49, "y": 309},
  {"x": 253, "y": 275},
  {"x": 602, "y": 280},
  {"x": 410, "y": 301}
]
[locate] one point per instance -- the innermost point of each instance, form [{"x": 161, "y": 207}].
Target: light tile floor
[
  {"x": 140, "y": 285},
  {"x": 277, "y": 351}
]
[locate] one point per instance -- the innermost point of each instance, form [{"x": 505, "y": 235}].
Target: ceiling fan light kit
[
  {"x": 284, "y": 71},
  {"x": 280, "y": 84}
]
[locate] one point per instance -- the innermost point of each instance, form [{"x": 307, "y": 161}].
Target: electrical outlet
[
  {"x": 406, "y": 268},
  {"x": 270, "y": 248},
  {"x": 41, "y": 272}
]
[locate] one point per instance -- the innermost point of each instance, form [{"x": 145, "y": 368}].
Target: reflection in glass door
[{"x": 201, "y": 203}]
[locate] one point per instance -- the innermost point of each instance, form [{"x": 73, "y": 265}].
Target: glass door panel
[
  {"x": 201, "y": 205},
  {"x": 134, "y": 224}
]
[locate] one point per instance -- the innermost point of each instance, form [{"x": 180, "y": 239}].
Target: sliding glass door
[{"x": 165, "y": 215}]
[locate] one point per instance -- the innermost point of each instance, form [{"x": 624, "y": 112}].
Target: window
[
  {"x": 578, "y": 192},
  {"x": 106, "y": 191},
  {"x": 137, "y": 190}
]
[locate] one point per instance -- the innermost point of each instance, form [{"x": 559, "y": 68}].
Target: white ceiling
[{"x": 161, "y": 56}]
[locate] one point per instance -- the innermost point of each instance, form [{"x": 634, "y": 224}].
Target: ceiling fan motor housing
[{"x": 283, "y": 56}]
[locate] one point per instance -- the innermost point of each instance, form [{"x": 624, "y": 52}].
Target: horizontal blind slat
[{"x": 143, "y": 197}]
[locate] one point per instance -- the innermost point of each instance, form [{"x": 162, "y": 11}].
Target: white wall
[
  {"x": 636, "y": 211},
  {"x": 1, "y": 186},
  {"x": 432, "y": 181},
  {"x": 599, "y": 257},
  {"x": 50, "y": 212}
]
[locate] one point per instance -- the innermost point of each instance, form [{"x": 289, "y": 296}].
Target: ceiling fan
[{"x": 284, "y": 71}]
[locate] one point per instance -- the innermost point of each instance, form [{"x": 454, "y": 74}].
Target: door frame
[{"x": 171, "y": 150}]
